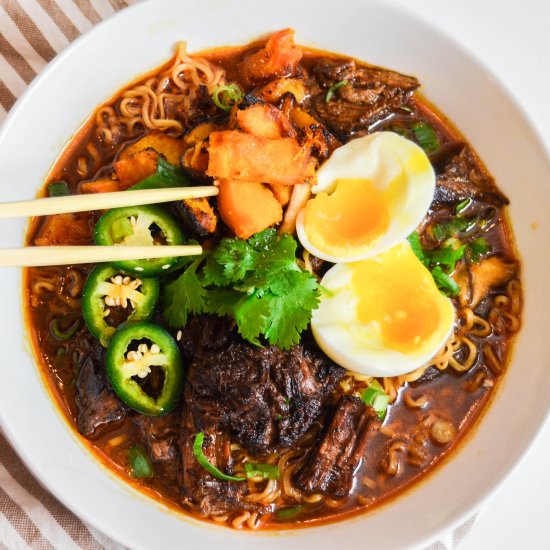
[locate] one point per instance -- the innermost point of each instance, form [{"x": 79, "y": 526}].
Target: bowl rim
[{"x": 127, "y": 13}]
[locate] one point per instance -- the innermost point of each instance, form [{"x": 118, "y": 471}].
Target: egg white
[
  {"x": 381, "y": 158},
  {"x": 360, "y": 347}
]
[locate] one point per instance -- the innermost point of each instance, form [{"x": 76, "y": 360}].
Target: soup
[{"x": 347, "y": 321}]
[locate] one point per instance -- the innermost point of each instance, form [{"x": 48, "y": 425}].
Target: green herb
[
  {"x": 166, "y": 176},
  {"x": 375, "y": 396},
  {"x": 426, "y": 137},
  {"x": 452, "y": 227},
  {"x": 139, "y": 463},
  {"x": 434, "y": 259},
  {"x": 184, "y": 296},
  {"x": 257, "y": 282},
  {"x": 416, "y": 246},
  {"x": 226, "y": 96},
  {"x": 289, "y": 512},
  {"x": 58, "y": 189},
  {"x": 462, "y": 205},
  {"x": 334, "y": 88},
  {"x": 446, "y": 256},
  {"x": 64, "y": 328},
  {"x": 476, "y": 249},
  {"x": 446, "y": 284},
  {"x": 267, "y": 471},
  {"x": 205, "y": 463}
]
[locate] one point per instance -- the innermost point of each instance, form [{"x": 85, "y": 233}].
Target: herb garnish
[{"x": 257, "y": 282}]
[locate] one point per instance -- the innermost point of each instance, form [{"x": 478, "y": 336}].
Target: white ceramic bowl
[{"x": 139, "y": 39}]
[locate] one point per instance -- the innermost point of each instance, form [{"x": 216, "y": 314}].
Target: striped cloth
[{"x": 32, "y": 32}]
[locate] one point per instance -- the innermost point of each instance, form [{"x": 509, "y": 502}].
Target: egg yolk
[
  {"x": 355, "y": 213},
  {"x": 398, "y": 293}
]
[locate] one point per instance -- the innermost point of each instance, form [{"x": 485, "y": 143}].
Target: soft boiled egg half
[
  {"x": 382, "y": 313},
  {"x": 383, "y": 316},
  {"x": 371, "y": 194}
]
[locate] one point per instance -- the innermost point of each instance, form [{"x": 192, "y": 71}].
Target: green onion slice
[
  {"x": 462, "y": 205},
  {"x": 477, "y": 248},
  {"x": 375, "y": 396},
  {"x": 205, "y": 463},
  {"x": 426, "y": 137},
  {"x": 451, "y": 228},
  {"x": 226, "y": 96},
  {"x": 139, "y": 463},
  {"x": 447, "y": 256},
  {"x": 267, "y": 471},
  {"x": 414, "y": 241},
  {"x": 444, "y": 282},
  {"x": 334, "y": 88},
  {"x": 58, "y": 189},
  {"x": 63, "y": 330},
  {"x": 289, "y": 512}
]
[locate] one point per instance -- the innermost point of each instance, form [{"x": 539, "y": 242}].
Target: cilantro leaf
[
  {"x": 290, "y": 312},
  {"x": 183, "y": 296},
  {"x": 252, "y": 314},
  {"x": 264, "y": 240},
  {"x": 229, "y": 262},
  {"x": 222, "y": 301}
]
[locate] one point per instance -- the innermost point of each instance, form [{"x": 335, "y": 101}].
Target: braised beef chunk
[
  {"x": 265, "y": 397},
  {"x": 333, "y": 462},
  {"x": 212, "y": 496},
  {"x": 96, "y": 402},
  {"x": 204, "y": 333},
  {"x": 462, "y": 177},
  {"x": 369, "y": 95},
  {"x": 160, "y": 434}
]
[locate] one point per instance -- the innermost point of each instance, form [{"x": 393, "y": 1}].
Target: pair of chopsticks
[{"x": 65, "y": 255}]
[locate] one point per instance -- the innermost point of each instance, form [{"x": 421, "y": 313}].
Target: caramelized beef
[
  {"x": 210, "y": 495},
  {"x": 334, "y": 461},
  {"x": 205, "y": 333},
  {"x": 265, "y": 397},
  {"x": 370, "y": 95},
  {"x": 461, "y": 177},
  {"x": 160, "y": 434},
  {"x": 96, "y": 402}
]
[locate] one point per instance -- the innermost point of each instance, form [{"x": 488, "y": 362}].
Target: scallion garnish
[
  {"x": 426, "y": 137},
  {"x": 452, "y": 227},
  {"x": 72, "y": 325},
  {"x": 446, "y": 256},
  {"x": 289, "y": 512},
  {"x": 434, "y": 259},
  {"x": 476, "y": 249},
  {"x": 58, "y": 189},
  {"x": 205, "y": 463},
  {"x": 375, "y": 396},
  {"x": 267, "y": 471},
  {"x": 226, "y": 96},
  {"x": 139, "y": 463},
  {"x": 462, "y": 205},
  {"x": 446, "y": 284},
  {"x": 334, "y": 88},
  {"x": 416, "y": 246}
]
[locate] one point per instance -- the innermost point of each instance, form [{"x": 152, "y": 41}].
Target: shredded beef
[
  {"x": 266, "y": 397},
  {"x": 210, "y": 495},
  {"x": 97, "y": 403},
  {"x": 334, "y": 461},
  {"x": 369, "y": 95}
]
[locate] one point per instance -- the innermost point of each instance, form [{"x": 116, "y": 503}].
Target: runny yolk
[
  {"x": 397, "y": 291},
  {"x": 353, "y": 215}
]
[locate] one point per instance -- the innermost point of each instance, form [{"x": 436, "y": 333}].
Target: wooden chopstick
[
  {"x": 67, "y": 255},
  {"x": 102, "y": 201}
]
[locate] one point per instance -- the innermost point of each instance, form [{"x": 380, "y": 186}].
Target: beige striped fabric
[{"x": 32, "y": 32}]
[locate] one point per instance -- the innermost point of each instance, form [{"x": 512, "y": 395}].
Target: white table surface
[{"x": 513, "y": 38}]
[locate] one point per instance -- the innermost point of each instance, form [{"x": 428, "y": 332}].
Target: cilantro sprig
[{"x": 257, "y": 282}]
